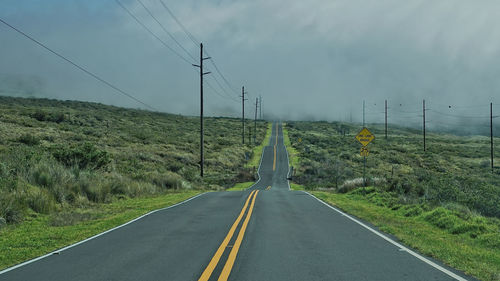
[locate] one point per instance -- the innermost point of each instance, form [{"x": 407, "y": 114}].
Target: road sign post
[{"x": 364, "y": 137}]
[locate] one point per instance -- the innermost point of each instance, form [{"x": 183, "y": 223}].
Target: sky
[{"x": 309, "y": 60}]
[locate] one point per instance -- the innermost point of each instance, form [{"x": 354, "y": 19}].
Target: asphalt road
[{"x": 264, "y": 233}]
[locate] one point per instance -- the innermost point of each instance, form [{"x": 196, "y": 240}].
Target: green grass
[
  {"x": 454, "y": 169},
  {"x": 442, "y": 202},
  {"x": 69, "y": 169},
  {"x": 40, "y": 234},
  {"x": 294, "y": 186},
  {"x": 465, "y": 241},
  {"x": 257, "y": 150},
  {"x": 57, "y": 155},
  {"x": 292, "y": 152},
  {"x": 241, "y": 186}
]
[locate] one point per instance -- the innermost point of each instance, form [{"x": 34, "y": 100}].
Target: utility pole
[
  {"x": 386, "y": 119},
  {"x": 255, "y": 122},
  {"x": 202, "y": 157},
  {"x": 243, "y": 113},
  {"x": 423, "y": 107},
  {"x": 363, "y": 113},
  {"x": 491, "y": 134},
  {"x": 260, "y": 107}
]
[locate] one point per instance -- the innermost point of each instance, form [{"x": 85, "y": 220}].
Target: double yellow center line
[
  {"x": 275, "y": 147},
  {"x": 234, "y": 251}
]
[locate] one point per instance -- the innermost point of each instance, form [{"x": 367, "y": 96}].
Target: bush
[
  {"x": 166, "y": 180},
  {"x": 40, "y": 200},
  {"x": 52, "y": 176},
  {"x": 86, "y": 156},
  {"x": 12, "y": 207},
  {"x": 29, "y": 139}
]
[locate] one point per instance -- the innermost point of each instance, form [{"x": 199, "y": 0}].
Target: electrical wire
[
  {"x": 189, "y": 34},
  {"x": 165, "y": 30},
  {"x": 81, "y": 68},
  {"x": 196, "y": 42},
  {"x": 151, "y": 32},
  {"x": 224, "y": 90}
]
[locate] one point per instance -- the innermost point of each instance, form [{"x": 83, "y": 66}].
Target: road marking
[
  {"x": 215, "y": 259},
  {"x": 269, "y": 187},
  {"x": 274, "y": 163},
  {"x": 260, "y": 164},
  {"x": 234, "y": 252},
  {"x": 97, "y": 235},
  {"x": 401, "y": 247},
  {"x": 277, "y": 133}
]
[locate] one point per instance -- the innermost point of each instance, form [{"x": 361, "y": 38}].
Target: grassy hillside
[
  {"x": 445, "y": 202},
  {"x": 454, "y": 169},
  {"x": 63, "y": 155}
]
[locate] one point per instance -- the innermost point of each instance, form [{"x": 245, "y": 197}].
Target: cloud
[{"x": 309, "y": 59}]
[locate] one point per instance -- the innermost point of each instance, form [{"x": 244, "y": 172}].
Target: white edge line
[
  {"x": 401, "y": 247},
  {"x": 287, "y": 158},
  {"x": 260, "y": 164},
  {"x": 95, "y": 236}
]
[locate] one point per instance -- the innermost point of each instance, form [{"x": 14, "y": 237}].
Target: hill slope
[{"x": 66, "y": 154}]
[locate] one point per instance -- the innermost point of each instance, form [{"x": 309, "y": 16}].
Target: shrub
[
  {"x": 40, "y": 200},
  {"x": 29, "y": 139},
  {"x": 166, "y": 180},
  {"x": 12, "y": 207},
  {"x": 54, "y": 177},
  {"x": 86, "y": 156}
]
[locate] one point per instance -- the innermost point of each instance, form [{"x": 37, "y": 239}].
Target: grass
[
  {"x": 465, "y": 241},
  {"x": 69, "y": 169},
  {"x": 241, "y": 186},
  {"x": 294, "y": 186},
  {"x": 292, "y": 152},
  {"x": 42, "y": 233},
  {"x": 442, "y": 202},
  {"x": 257, "y": 150},
  {"x": 454, "y": 169},
  {"x": 57, "y": 155}
]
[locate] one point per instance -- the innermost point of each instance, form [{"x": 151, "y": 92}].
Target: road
[{"x": 267, "y": 232}]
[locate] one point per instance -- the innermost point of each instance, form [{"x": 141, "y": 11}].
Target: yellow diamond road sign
[{"x": 365, "y": 137}]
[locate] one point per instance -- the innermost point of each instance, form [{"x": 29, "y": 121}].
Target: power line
[
  {"x": 223, "y": 89},
  {"x": 195, "y": 41},
  {"x": 88, "y": 72},
  {"x": 189, "y": 34},
  {"x": 217, "y": 92},
  {"x": 165, "y": 30},
  {"x": 152, "y": 33}
]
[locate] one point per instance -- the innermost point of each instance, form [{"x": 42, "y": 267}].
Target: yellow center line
[
  {"x": 234, "y": 252},
  {"x": 274, "y": 163},
  {"x": 275, "y": 147},
  {"x": 269, "y": 187},
  {"x": 215, "y": 259},
  {"x": 277, "y": 133}
]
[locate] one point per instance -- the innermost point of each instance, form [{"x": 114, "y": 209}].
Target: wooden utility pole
[
  {"x": 260, "y": 107},
  {"x": 423, "y": 107},
  {"x": 386, "y": 119},
  {"x": 200, "y": 66},
  {"x": 255, "y": 121},
  {"x": 363, "y": 113},
  {"x": 491, "y": 134},
  {"x": 243, "y": 114}
]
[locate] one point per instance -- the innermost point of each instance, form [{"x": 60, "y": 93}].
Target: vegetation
[
  {"x": 241, "y": 186},
  {"x": 443, "y": 202},
  {"x": 451, "y": 233},
  {"x": 60, "y": 161},
  {"x": 40, "y": 234},
  {"x": 257, "y": 150}
]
